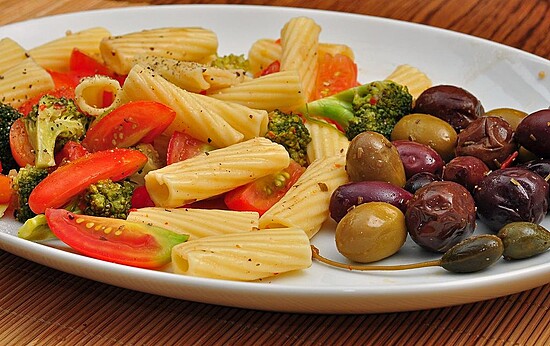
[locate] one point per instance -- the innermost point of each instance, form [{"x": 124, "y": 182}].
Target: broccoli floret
[
  {"x": 107, "y": 198},
  {"x": 376, "y": 106},
  {"x": 232, "y": 62},
  {"x": 50, "y": 124},
  {"x": 36, "y": 229},
  {"x": 8, "y": 115},
  {"x": 23, "y": 183},
  {"x": 289, "y": 131}
]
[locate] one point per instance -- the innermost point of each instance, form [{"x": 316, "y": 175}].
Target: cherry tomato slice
[
  {"x": 129, "y": 124},
  {"x": 275, "y": 66},
  {"x": 114, "y": 240},
  {"x": 262, "y": 194},
  {"x": 60, "y": 186},
  {"x": 83, "y": 65},
  {"x": 71, "y": 151},
  {"x": 336, "y": 73},
  {"x": 21, "y": 148},
  {"x": 6, "y": 190},
  {"x": 182, "y": 146},
  {"x": 141, "y": 198}
]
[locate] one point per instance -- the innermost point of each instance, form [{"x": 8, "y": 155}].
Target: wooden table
[{"x": 42, "y": 306}]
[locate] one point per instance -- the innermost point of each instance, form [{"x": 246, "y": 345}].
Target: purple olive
[
  {"x": 533, "y": 133},
  {"x": 418, "y": 157},
  {"x": 468, "y": 171},
  {"x": 353, "y": 194},
  {"x": 440, "y": 215},
  {"x": 419, "y": 180}
]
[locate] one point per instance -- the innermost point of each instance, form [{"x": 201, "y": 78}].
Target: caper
[
  {"x": 524, "y": 239},
  {"x": 472, "y": 254}
]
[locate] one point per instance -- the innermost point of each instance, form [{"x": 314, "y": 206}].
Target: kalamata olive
[
  {"x": 371, "y": 232},
  {"x": 512, "y": 116},
  {"x": 468, "y": 171},
  {"x": 534, "y": 133},
  {"x": 511, "y": 194},
  {"x": 371, "y": 156},
  {"x": 355, "y": 193},
  {"x": 473, "y": 254},
  {"x": 524, "y": 239},
  {"x": 418, "y": 157},
  {"x": 420, "y": 179},
  {"x": 428, "y": 130},
  {"x": 539, "y": 166},
  {"x": 440, "y": 215},
  {"x": 491, "y": 139},
  {"x": 455, "y": 105}
]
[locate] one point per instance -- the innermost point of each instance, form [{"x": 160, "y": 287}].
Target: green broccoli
[
  {"x": 23, "y": 183},
  {"x": 289, "y": 131},
  {"x": 107, "y": 198},
  {"x": 50, "y": 124},
  {"x": 36, "y": 229},
  {"x": 8, "y": 115},
  {"x": 231, "y": 62},
  {"x": 376, "y": 106}
]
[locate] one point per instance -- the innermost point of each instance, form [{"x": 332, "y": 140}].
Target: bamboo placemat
[{"x": 43, "y": 306}]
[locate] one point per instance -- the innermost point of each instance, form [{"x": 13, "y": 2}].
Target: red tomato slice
[
  {"x": 262, "y": 194},
  {"x": 71, "y": 151},
  {"x": 141, "y": 198},
  {"x": 64, "y": 91},
  {"x": 21, "y": 148},
  {"x": 84, "y": 65},
  {"x": 60, "y": 186},
  {"x": 271, "y": 68},
  {"x": 6, "y": 190},
  {"x": 336, "y": 73},
  {"x": 114, "y": 240},
  {"x": 182, "y": 146},
  {"x": 64, "y": 79},
  {"x": 129, "y": 124}
]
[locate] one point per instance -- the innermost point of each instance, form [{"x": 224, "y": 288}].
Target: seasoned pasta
[
  {"x": 197, "y": 223},
  {"x": 23, "y": 81},
  {"x": 326, "y": 140},
  {"x": 204, "y": 118},
  {"x": 311, "y": 192},
  {"x": 55, "y": 54},
  {"x": 215, "y": 172},
  {"x": 414, "y": 79},
  {"x": 244, "y": 256},
  {"x": 185, "y": 44},
  {"x": 12, "y": 54},
  {"x": 89, "y": 94}
]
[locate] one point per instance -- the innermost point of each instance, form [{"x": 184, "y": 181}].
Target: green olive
[
  {"x": 372, "y": 157},
  {"x": 370, "y": 232},
  {"x": 524, "y": 239},
  {"x": 473, "y": 254},
  {"x": 429, "y": 130},
  {"x": 512, "y": 116}
]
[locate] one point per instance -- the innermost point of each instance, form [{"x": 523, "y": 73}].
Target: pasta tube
[
  {"x": 244, "y": 256},
  {"x": 202, "y": 117},
  {"x": 306, "y": 204},
  {"x": 185, "y": 44},
  {"x": 12, "y": 54},
  {"x": 215, "y": 172},
  {"x": 89, "y": 94},
  {"x": 55, "y": 55},
  {"x": 326, "y": 140},
  {"x": 23, "y": 81},
  {"x": 197, "y": 223},
  {"x": 411, "y": 77}
]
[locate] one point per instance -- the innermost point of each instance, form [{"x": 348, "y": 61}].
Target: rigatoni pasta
[
  {"x": 55, "y": 54},
  {"x": 326, "y": 140},
  {"x": 89, "y": 94},
  {"x": 300, "y": 43},
  {"x": 12, "y": 54},
  {"x": 244, "y": 256},
  {"x": 197, "y": 223},
  {"x": 23, "y": 81},
  {"x": 306, "y": 204},
  {"x": 215, "y": 172},
  {"x": 185, "y": 44},
  {"x": 411, "y": 77},
  {"x": 204, "y": 118}
]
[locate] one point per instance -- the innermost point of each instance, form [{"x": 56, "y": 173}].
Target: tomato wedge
[
  {"x": 83, "y": 65},
  {"x": 336, "y": 73},
  {"x": 262, "y": 194},
  {"x": 114, "y": 240},
  {"x": 275, "y": 66},
  {"x": 60, "y": 186},
  {"x": 6, "y": 190},
  {"x": 182, "y": 146},
  {"x": 21, "y": 148},
  {"x": 141, "y": 198},
  {"x": 129, "y": 124},
  {"x": 71, "y": 151}
]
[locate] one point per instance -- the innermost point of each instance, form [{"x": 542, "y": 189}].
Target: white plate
[{"x": 500, "y": 76}]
